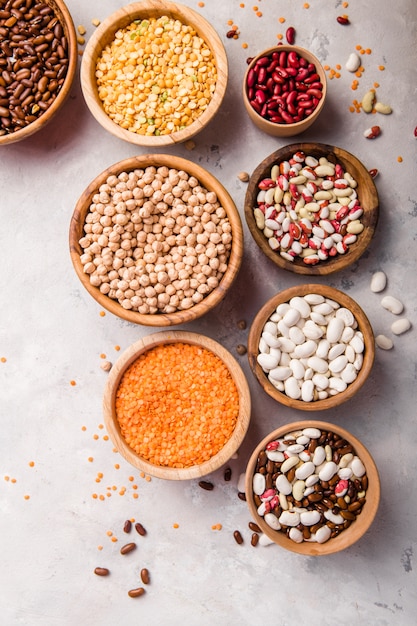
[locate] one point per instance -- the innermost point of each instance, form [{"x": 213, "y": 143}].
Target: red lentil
[{"x": 177, "y": 405}]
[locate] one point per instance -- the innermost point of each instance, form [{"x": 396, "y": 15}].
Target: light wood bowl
[
  {"x": 363, "y": 325},
  {"x": 347, "y": 537},
  {"x": 104, "y": 35},
  {"x": 210, "y": 183},
  {"x": 112, "y": 425},
  {"x": 367, "y": 195},
  {"x": 285, "y": 130},
  {"x": 65, "y": 18}
]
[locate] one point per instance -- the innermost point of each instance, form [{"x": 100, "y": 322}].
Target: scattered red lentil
[
  {"x": 102, "y": 313},
  {"x": 306, "y": 5},
  {"x": 216, "y": 527},
  {"x": 13, "y": 480},
  {"x": 7, "y": 478},
  {"x": 99, "y": 547},
  {"x": 83, "y": 427},
  {"x": 381, "y": 68},
  {"x": 73, "y": 383},
  {"x": 26, "y": 497},
  {"x": 90, "y": 459},
  {"x": 175, "y": 525},
  {"x": 116, "y": 466},
  {"x": 376, "y": 85},
  {"x": 95, "y": 436},
  {"x": 3, "y": 359},
  {"x": 117, "y": 348},
  {"x": 244, "y": 45},
  {"x": 31, "y": 464},
  {"x": 135, "y": 496},
  {"x": 102, "y": 356},
  {"x": 184, "y": 414},
  {"x": 281, "y": 20},
  {"x": 368, "y": 51},
  {"x": 201, "y": 4},
  {"x": 399, "y": 159}
]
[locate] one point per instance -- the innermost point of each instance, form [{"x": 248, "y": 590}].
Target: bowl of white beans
[
  {"x": 154, "y": 73},
  {"x": 312, "y": 208},
  {"x": 156, "y": 240},
  {"x": 311, "y": 347},
  {"x": 312, "y": 488}
]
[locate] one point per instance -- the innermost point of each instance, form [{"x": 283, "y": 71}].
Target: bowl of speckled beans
[
  {"x": 312, "y": 488},
  {"x": 154, "y": 73},
  {"x": 38, "y": 60},
  {"x": 311, "y": 347},
  {"x": 177, "y": 405},
  {"x": 156, "y": 240}
]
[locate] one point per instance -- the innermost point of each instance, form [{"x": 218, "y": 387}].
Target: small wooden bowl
[
  {"x": 367, "y": 195},
  {"x": 359, "y": 526},
  {"x": 60, "y": 9},
  {"x": 363, "y": 325},
  {"x": 211, "y": 184},
  {"x": 104, "y": 35},
  {"x": 285, "y": 130},
  {"x": 112, "y": 425}
]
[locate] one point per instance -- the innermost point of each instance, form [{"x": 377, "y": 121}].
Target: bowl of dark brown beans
[
  {"x": 312, "y": 488},
  {"x": 38, "y": 61}
]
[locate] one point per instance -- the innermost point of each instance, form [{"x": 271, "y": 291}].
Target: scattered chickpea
[
  {"x": 106, "y": 366},
  {"x": 243, "y": 176}
]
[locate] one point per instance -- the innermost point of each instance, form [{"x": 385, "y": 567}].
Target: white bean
[
  {"x": 378, "y": 282},
  {"x": 353, "y": 62},
  {"x": 289, "y": 518},
  {"x": 383, "y": 342},
  {"x": 258, "y": 483},
  {"x": 392, "y": 304},
  {"x": 272, "y": 521},
  {"x": 401, "y": 326}
]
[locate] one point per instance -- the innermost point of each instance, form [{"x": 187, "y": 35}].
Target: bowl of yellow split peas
[{"x": 154, "y": 73}]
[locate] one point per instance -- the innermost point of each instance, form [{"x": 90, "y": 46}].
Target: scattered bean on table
[
  {"x": 310, "y": 484},
  {"x": 309, "y": 208}
]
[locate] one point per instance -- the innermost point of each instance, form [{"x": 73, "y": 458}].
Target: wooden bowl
[
  {"x": 277, "y": 129},
  {"x": 104, "y": 35},
  {"x": 348, "y": 536},
  {"x": 112, "y": 424},
  {"x": 367, "y": 196},
  {"x": 60, "y": 9},
  {"x": 344, "y": 301},
  {"x": 211, "y": 184}
]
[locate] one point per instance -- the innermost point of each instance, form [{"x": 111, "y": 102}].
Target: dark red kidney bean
[
  {"x": 140, "y": 529},
  {"x": 238, "y": 537},
  {"x": 129, "y": 547},
  {"x": 207, "y": 485},
  {"x": 102, "y": 571},
  {"x": 127, "y": 526},
  {"x": 290, "y": 35}
]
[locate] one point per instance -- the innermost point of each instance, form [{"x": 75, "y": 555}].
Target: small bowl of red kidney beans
[
  {"x": 38, "y": 61},
  {"x": 312, "y": 488},
  {"x": 284, "y": 90},
  {"x": 312, "y": 208}
]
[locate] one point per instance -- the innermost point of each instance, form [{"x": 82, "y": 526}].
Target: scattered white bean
[
  {"x": 353, "y": 63},
  {"x": 383, "y": 342},
  {"x": 401, "y": 326},
  {"x": 392, "y": 304},
  {"x": 378, "y": 282}
]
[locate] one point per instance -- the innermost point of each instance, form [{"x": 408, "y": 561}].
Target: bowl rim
[
  {"x": 344, "y": 300},
  {"x": 370, "y": 215},
  {"x": 296, "y": 127},
  {"x": 211, "y": 183},
  {"x": 129, "y": 356},
  {"x": 63, "y": 13},
  {"x": 363, "y": 521},
  {"x": 123, "y": 17}
]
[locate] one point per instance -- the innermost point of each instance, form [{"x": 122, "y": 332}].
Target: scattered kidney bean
[
  {"x": 238, "y": 537},
  {"x": 207, "y": 485},
  {"x": 231, "y": 33},
  {"x": 227, "y": 474},
  {"x": 373, "y": 172},
  {"x": 254, "y": 539},
  {"x": 290, "y": 35},
  {"x": 343, "y": 19},
  {"x": 144, "y": 575},
  {"x": 415, "y": 132},
  {"x": 140, "y": 529},
  {"x": 136, "y": 593},
  {"x": 33, "y": 62},
  {"x": 102, "y": 571},
  {"x": 127, "y": 526},
  {"x": 128, "y": 547},
  {"x": 308, "y": 208},
  {"x": 254, "y": 527},
  {"x": 284, "y": 88},
  {"x": 325, "y": 493}
]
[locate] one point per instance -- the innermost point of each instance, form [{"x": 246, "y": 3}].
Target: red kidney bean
[
  {"x": 101, "y": 571},
  {"x": 284, "y": 87},
  {"x": 128, "y": 548},
  {"x": 290, "y": 35},
  {"x": 343, "y": 19}
]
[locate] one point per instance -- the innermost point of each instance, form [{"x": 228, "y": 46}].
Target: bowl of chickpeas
[
  {"x": 154, "y": 73},
  {"x": 156, "y": 240},
  {"x": 177, "y": 405},
  {"x": 39, "y": 57}
]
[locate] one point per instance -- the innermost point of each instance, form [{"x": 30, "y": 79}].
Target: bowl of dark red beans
[
  {"x": 312, "y": 488},
  {"x": 284, "y": 90},
  {"x": 38, "y": 61}
]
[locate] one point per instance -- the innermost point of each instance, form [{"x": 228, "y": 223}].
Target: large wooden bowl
[
  {"x": 359, "y": 526},
  {"x": 211, "y": 184},
  {"x": 363, "y": 325},
  {"x": 285, "y": 130},
  {"x": 60, "y": 9},
  {"x": 104, "y": 35},
  {"x": 367, "y": 195},
  {"x": 112, "y": 425}
]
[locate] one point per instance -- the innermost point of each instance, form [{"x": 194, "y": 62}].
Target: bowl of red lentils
[
  {"x": 38, "y": 61},
  {"x": 177, "y": 405},
  {"x": 312, "y": 208},
  {"x": 156, "y": 240},
  {"x": 284, "y": 90},
  {"x": 312, "y": 488},
  {"x": 154, "y": 73}
]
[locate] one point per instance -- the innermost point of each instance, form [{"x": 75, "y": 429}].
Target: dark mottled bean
[
  {"x": 238, "y": 537},
  {"x": 128, "y": 547},
  {"x": 144, "y": 575},
  {"x": 140, "y": 529}
]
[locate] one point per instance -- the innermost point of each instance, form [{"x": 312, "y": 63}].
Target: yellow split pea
[
  {"x": 177, "y": 405},
  {"x": 156, "y": 77}
]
